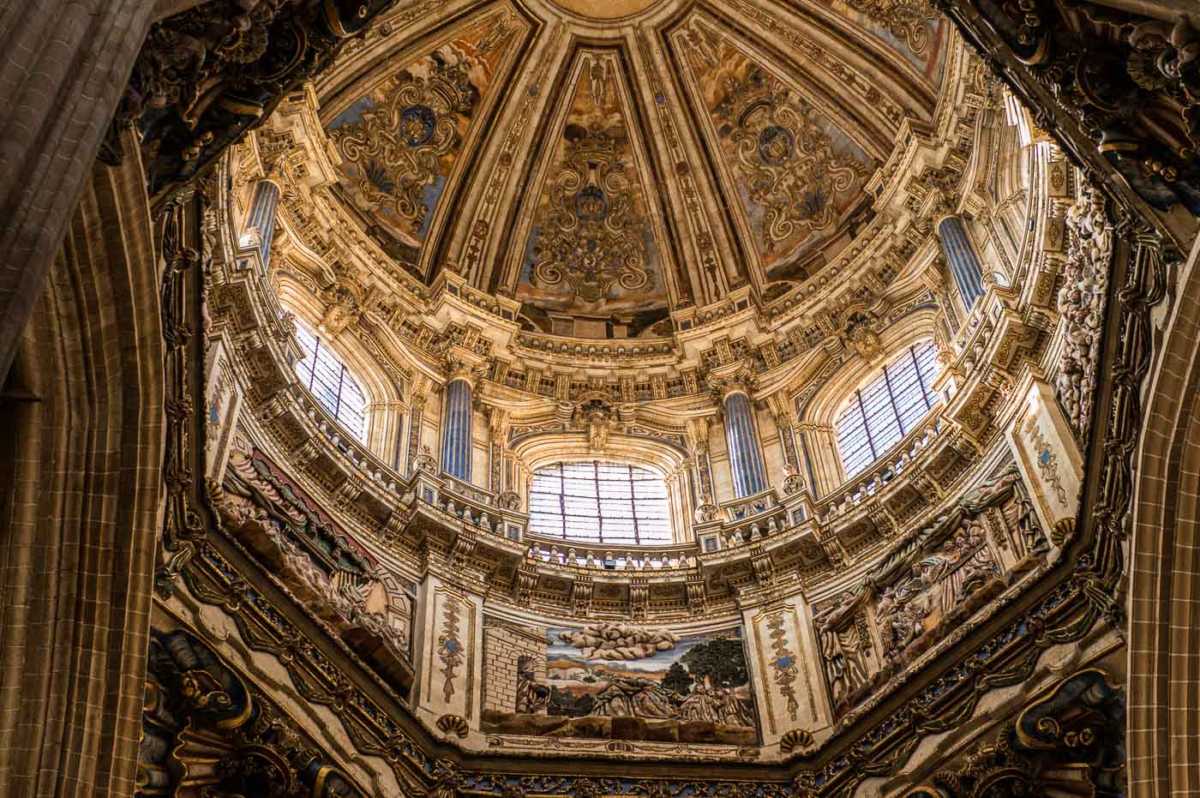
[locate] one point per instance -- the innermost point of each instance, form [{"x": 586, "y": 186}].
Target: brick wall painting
[{"x": 513, "y": 658}]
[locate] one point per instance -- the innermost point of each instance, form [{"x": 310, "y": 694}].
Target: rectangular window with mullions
[
  {"x": 889, "y": 406},
  {"x": 324, "y": 375},
  {"x": 599, "y": 502}
]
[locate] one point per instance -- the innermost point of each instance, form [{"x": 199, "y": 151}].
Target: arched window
[
  {"x": 887, "y": 408},
  {"x": 599, "y": 502},
  {"x": 328, "y": 379}
]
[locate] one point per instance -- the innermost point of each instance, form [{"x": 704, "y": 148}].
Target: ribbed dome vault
[{"x": 606, "y": 164}]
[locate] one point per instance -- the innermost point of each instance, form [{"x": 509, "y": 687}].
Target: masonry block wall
[{"x": 503, "y": 648}]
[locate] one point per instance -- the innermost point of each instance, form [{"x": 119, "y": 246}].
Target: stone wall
[{"x": 503, "y": 648}]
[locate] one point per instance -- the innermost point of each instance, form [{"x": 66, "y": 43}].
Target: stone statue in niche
[{"x": 843, "y": 648}]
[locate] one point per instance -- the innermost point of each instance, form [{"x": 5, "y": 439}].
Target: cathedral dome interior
[{"x": 626, "y": 399}]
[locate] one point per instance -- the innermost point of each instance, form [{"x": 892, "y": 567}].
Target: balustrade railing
[
  {"x": 902, "y": 458},
  {"x": 473, "y": 505},
  {"x": 574, "y": 554}
]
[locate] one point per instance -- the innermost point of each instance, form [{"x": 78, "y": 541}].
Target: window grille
[
  {"x": 888, "y": 407},
  {"x": 599, "y": 502},
  {"x": 330, "y": 382}
]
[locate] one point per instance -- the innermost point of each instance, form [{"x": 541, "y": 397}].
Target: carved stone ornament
[
  {"x": 1081, "y": 303},
  {"x": 425, "y": 461},
  {"x": 1069, "y": 742},
  {"x": 209, "y": 74},
  {"x": 796, "y": 740},
  {"x": 860, "y": 336},
  {"x": 793, "y": 482},
  {"x": 453, "y": 724},
  {"x": 1128, "y": 83},
  {"x": 207, "y": 734}
]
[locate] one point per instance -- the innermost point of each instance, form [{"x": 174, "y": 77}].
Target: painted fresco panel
[
  {"x": 610, "y": 680},
  {"x": 796, "y": 174},
  {"x": 399, "y": 141},
  {"x": 910, "y": 27},
  {"x": 592, "y": 250}
]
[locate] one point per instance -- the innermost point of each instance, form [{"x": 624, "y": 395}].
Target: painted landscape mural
[{"x": 612, "y": 680}]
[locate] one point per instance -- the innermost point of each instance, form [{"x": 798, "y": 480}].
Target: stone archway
[
  {"x": 81, "y": 489},
  {"x": 1164, "y": 587}
]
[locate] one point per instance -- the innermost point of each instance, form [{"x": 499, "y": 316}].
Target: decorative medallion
[
  {"x": 399, "y": 141},
  {"x": 796, "y": 173}
]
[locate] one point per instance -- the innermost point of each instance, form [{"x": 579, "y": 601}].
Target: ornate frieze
[{"x": 1090, "y": 242}]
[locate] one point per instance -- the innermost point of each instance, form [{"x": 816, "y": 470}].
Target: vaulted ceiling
[{"x": 607, "y": 163}]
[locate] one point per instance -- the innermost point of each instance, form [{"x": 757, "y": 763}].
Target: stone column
[
  {"x": 261, "y": 222},
  {"x": 745, "y": 453},
  {"x": 81, "y": 493},
  {"x": 456, "y": 430},
  {"x": 65, "y": 66},
  {"x": 961, "y": 257}
]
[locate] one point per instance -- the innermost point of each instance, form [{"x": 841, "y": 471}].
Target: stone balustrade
[{"x": 905, "y": 456}]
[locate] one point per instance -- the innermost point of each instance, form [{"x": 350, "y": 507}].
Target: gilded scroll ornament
[
  {"x": 909, "y": 20},
  {"x": 398, "y": 146},
  {"x": 592, "y": 236}
]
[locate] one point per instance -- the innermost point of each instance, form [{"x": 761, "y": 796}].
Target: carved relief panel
[{"x": 931, "y": 584}]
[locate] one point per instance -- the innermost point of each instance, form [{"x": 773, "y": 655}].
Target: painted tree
[
  {"x": 677, "y": 680},
  {"x": 722, "y": 660}
]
